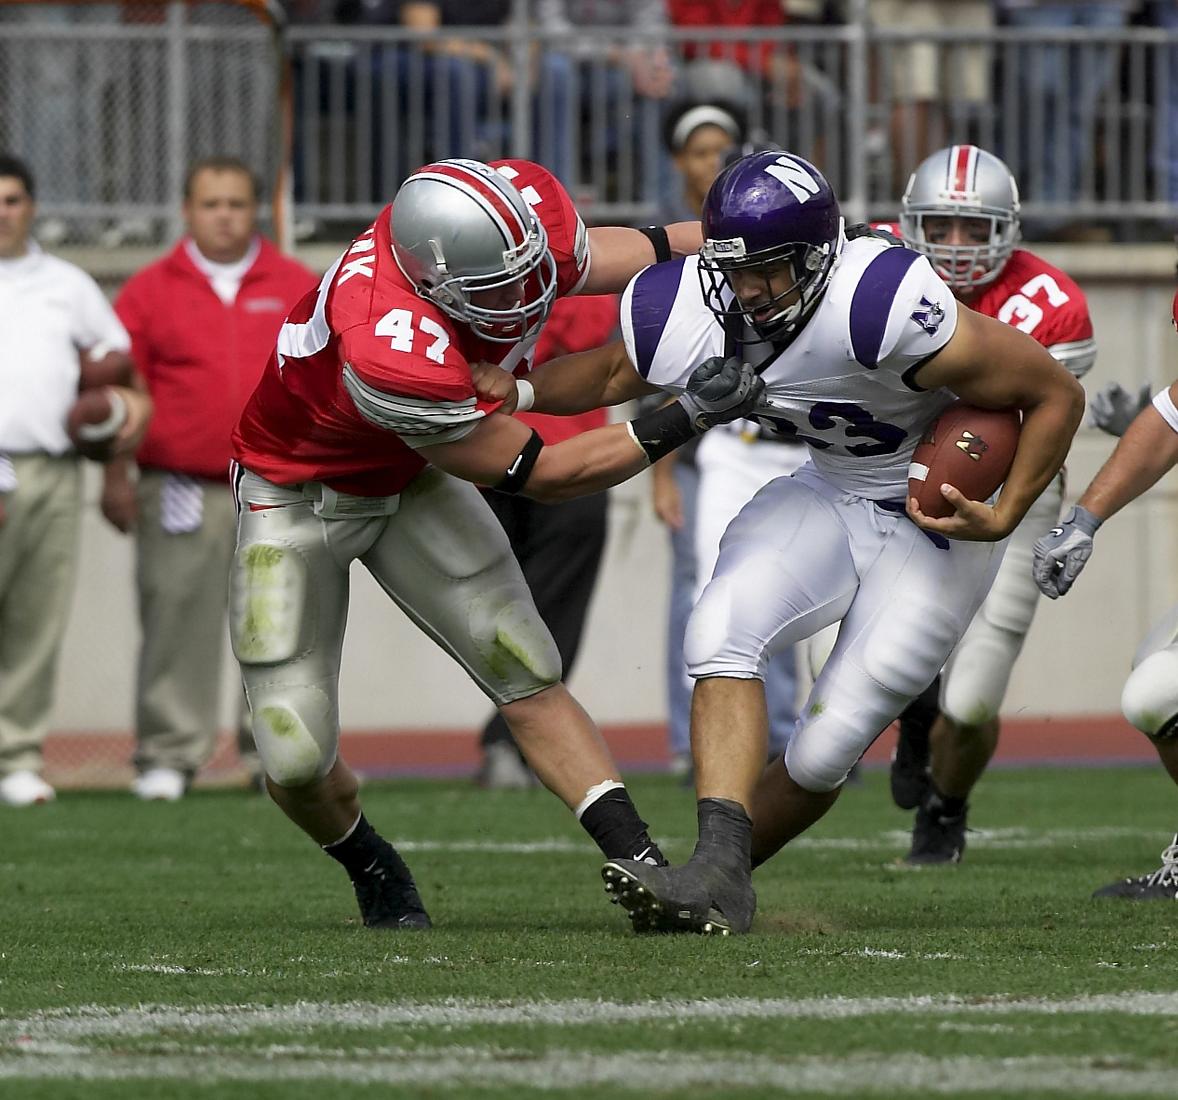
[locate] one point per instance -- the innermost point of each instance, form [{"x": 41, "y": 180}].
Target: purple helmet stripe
[
  {"x": 872, "y": 302},
  {"x": 650, "y": 306}
]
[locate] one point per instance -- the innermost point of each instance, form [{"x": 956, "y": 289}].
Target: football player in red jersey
[
  {"x": 961, "y": 209},
  {"x": 1148, "y": 449},
  {"x": 365, "y": 440}
]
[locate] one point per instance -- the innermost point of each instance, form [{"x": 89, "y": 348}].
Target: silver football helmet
[
  {"x": 459, "y": 228},
  {"x": 963, "y": 181}
]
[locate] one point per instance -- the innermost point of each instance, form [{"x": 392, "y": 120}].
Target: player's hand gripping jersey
[
  {"x": 366, "y": 370},
  {"x": 844, "y": 385}
]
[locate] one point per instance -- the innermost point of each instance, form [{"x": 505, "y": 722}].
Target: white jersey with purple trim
[{"x": 844, "y": 385}]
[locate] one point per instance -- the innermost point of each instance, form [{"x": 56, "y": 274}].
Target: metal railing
[{"x": 1087, "y": 122}]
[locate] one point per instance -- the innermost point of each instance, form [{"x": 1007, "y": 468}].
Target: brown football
[
  {"x": 967, "y": 447},
  {"x": 94, "y": 420},
  {"x": 102, "y": 367}
]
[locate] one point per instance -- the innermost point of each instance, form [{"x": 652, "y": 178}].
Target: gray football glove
[
  {"x": 1114, "y": 408},
  {"x": 720, "y": 390},
  {"x": 1061, "y": 553}
]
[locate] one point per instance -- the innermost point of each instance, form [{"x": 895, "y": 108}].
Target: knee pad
[
  {"x": 979, "y": 673},
  {"x": 822, "y": 752},
  {"x": 514, "y": 644},
  {"x": 1150, "y": 697},
  {"x": 267, "y": 603},
  {"x": 296, "y": 733}
]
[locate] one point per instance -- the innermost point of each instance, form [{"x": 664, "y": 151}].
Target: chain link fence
[{"x": 109, "y": 103}]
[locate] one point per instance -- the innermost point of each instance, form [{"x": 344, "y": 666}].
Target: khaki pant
[
  {"x": 38, "y": 562},
  {"x": 928, "y": 70},
  {"x": 183, "y": 584}
]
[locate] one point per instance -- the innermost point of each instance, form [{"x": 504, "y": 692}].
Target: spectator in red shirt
[{"x": 203, "y": 320}]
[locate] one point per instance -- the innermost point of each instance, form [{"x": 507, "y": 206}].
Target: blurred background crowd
[{"x": 109, "y": 102}]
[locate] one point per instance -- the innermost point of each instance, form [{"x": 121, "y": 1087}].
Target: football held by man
[{"x": 861, "y": 345}]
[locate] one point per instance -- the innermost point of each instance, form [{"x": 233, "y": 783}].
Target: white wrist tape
[
  {"x": 525, "y": 395},
  {"x": 1164, "y": 404}
]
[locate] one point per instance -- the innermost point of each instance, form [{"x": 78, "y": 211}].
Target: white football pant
[
  {"x": 439, "y": 553},
  {"x": 804, "y": 554},
  {"x": 978, "y": 674}
]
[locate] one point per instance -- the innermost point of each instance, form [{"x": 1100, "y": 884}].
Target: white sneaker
[
  {"x": 25, "y": 789},
  {"x": 160, "y": 785},
  {"x": 503, "y": 770}
]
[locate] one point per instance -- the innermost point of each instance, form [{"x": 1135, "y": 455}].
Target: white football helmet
[
  {"x": 962, "y": 181},
  {"x": 458, "y": 228}
]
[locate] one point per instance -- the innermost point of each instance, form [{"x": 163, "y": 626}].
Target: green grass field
[{"x": 206, "y": 949}]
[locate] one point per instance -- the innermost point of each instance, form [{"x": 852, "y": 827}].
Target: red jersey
[
  {"x": 1040, "y": 300},
  {"x": 365, "y": 331}
]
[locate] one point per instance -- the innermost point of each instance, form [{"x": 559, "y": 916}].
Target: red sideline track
[{"x": 102, "y": 759}]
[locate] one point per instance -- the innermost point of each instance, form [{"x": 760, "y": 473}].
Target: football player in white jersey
[
  {"x": 861, "y": 346},
  {"x": 961, "y": 209},
  {"x": 1148, "y": 449}
]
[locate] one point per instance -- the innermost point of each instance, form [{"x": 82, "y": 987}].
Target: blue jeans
[{"x": 1065, "y": 84}]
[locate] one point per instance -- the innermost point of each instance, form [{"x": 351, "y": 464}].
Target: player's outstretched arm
[
  {"x": 1147, "y": 451},
  {"x": 507, "y": 455},
  {"x": 993, "y": 365},
  {"x": 567, "y": 385},
  {"x": 618, "y": 254}
]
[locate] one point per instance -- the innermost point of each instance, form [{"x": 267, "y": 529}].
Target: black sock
[
  {"x": 363, "y": 850},
  {"x": 725, "y": 833},
  {"x": 916, "y": 720},
  {"x": 942, "y": 804},
  {"x": 613, "y": 823}
]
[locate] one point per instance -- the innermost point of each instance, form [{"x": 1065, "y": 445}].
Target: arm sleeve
[
  {"x": 1164, "y": 404},
  {"x": 667, "y": 329},
  {"x": 568, "y": 239},
  {"x": 95, "y": 323},
  {"x": 422, "y": 401},
  {"x": 901, "y": 314}
]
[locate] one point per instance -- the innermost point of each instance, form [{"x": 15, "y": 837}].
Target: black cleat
[
  {"x": 936, "y": 837},
  {"x": 698, "y": 897},
  {"x": 390, "y": 900},
  {"x": 1159, "y": 885}
]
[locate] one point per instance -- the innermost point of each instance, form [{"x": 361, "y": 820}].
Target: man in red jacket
[{"x": 203, "y": 320}]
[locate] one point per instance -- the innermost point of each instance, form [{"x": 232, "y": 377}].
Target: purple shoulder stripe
[
  {"x": 654, "y": 294},
  {"x": 872, "y": 302}
]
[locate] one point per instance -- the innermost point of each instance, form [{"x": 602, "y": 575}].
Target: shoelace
[{"x": 1167, "y": 873}]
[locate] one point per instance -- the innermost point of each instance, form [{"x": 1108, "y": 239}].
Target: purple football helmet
[{"x": 766, "y": 211}]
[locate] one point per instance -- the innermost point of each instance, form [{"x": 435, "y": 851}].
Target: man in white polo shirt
[{"x": 50, "y": 311}]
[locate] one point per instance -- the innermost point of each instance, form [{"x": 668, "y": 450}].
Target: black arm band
[
  {"x": 521, "y": 469},
  {"x": 658, "y": 433},
  {"x": 657, "y": 236}
]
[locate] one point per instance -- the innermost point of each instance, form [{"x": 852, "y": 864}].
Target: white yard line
[
  {"x": 1007, "y": 838},
  {"x": 864, "y": 1074},
  {"x": 97, "y": 1022}
]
